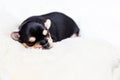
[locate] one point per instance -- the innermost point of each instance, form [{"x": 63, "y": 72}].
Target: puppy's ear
[
  {"x": 47, "y": 23},
  {"x": 15, "y": 36}
]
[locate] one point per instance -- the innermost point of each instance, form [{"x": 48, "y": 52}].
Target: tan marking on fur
[
  {"x": 37, "y": 45},
  {"x": 44, "y": 32},
  {"x": 25, "y": 45},
  {"x": 74, "y": 35},
  {"x": 32, "y": 39},
  {"x": 50, "y": 41},
  {"x": 47, "y": 23}
]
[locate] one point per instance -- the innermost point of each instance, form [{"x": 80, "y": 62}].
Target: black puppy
[{"x": 41, "y": 31}]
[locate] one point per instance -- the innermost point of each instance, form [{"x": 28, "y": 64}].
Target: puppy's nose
[{"x": 43, "y": 42}]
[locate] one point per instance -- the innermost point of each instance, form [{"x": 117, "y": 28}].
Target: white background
[{"x": 97, "y": 18}]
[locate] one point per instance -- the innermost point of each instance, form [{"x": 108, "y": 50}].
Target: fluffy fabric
[{"x": 70, "y": 59}]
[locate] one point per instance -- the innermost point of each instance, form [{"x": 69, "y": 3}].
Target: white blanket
[{"x": 70, "y": 59}]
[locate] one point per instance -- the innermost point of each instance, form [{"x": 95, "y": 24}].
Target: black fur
[{"x": 61, "y": 28}]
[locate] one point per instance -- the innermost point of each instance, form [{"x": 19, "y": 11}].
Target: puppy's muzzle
[
  {"x": 47, "y": 43},
  {"x": 46, "y": 46}
]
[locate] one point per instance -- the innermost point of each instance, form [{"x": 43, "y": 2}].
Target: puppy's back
[{"x": 62, "y": 26}]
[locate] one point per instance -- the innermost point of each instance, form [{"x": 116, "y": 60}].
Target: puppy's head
[{"x": 34, "y": 34}]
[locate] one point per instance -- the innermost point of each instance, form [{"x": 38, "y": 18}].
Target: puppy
[{"x": 41, "y": 31}]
